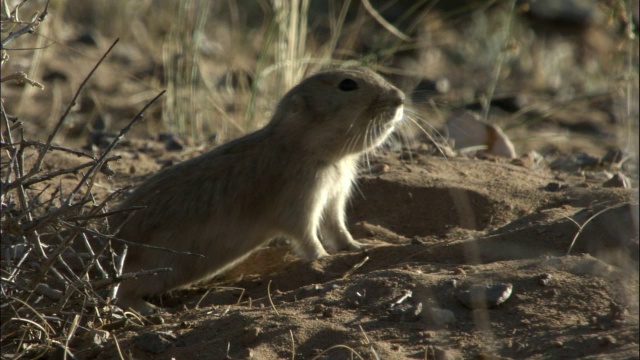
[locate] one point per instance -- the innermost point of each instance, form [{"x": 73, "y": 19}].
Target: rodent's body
[{"x": 291, "y": 178}]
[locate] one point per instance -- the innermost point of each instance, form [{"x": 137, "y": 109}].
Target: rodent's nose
[{"x": 398, "y": 97}]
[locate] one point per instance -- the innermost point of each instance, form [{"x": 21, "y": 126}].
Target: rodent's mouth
[
  {"x": 377, "y": 129},
  {"x": 399, "y": 114},
  {"x": 383, "y": 126},
  {"x": 393, "y": 116}
]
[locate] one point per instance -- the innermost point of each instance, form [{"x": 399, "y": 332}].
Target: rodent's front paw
[
  {"x": 311, "y": 253},
  {"x": 355, "y": 245}
]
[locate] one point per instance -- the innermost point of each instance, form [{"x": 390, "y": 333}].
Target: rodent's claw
[
  {"x": 355, "y": 245},
  {"x": 311, "y": 253}
]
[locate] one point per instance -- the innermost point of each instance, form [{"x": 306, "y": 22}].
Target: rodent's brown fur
[{"x": 291, "y": 178}]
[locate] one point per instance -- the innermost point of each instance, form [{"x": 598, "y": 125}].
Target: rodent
[{"x": 291, "y": 178}]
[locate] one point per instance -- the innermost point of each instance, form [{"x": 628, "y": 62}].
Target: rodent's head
[{"x": 339, "y": 112}]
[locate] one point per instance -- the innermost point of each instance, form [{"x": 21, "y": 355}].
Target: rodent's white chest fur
[{"x": 336, "y": 181}]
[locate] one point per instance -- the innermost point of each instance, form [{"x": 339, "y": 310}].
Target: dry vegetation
[{"x": 71, "y": 91}]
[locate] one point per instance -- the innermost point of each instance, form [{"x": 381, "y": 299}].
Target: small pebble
[
  {"x": 489, "y": 296},
  {"x": 545, "y": 279},
  {"x": 319, "y": 308},
  {"x": 438, "y": 317},
  {"x": 171, "y": 142},
  {"x": 459, "y": 271},
  {"x": 448, "y": 354},
  {"x": 187, "y": 324},
  {"x": 416, "y": 241},
  {"x": 328, "y": 312},
  {"x": 379, "y": 169},
  {"x": 408, "y": 155},
  {"x": 617, "y": 180},
  {"x": 406, "y": 312},
  {"x": 174, "y": 145},
  {"x": 248, "y": 354},
  {"x": 99, "y": 337},
  {"x": 607, "y": 340},
  {"x": 553, "y": 187},
  {"x": 156, "y": 319}
]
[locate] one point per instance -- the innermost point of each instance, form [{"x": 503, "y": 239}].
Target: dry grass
[{"x": 58, "y": 268}]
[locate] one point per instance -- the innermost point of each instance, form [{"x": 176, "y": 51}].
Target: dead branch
[
  {"x": 29, "y": 28},
  {"x": 53, "y": 174},
  {"x": 114, "y": 142},
  {"x": 21, "y": 77},
  {"x": 130, "y": 243},
  {"x": 72, "y": 103}
]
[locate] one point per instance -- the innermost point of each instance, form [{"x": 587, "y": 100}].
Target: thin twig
[
  {"x": 131, "y": 243},
  {"x": 106, "y": 214},
  {"x": 115, "y": 340},
  {"x": 202, "y": 298},
  {"x": 382, "y": 21},
  {"x": 35, "y": 312},
  {"x": 74, "y": 169},
  {"x": 72, "y": 103},
  {"x": 581, "y": 227},
  {"x": 499, "y": 63},
  {"x": 35, "y": 143},
  {"x": 133, "y": 275},
  {"x": 355, "y": 267},
  {"x": 293, "y": 346},
  {"x": 93, "y": 213},
  {"x": 21, "y": 77},
  {"x": 117, "y": 262},
  {"x": 46, "y": 290},
  {"x": 353, "y": 352},
  {"x": 87, "y": 245},
  {"x": 12, "y": 150},
  {"x": 29, "y": 28},
  {"x": 271, "y": 300},
  {"x": 37, "y": 223},
  {"x": 98, "y": 164},
  {"x": 72, "y": 331},
  {"x": 368, "y": 342}
]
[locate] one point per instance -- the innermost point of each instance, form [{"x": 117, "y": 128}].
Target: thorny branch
[{"x": 29, "y": 28}]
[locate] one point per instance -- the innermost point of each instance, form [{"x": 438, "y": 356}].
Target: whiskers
[
  {"x": 382, "y": 134},
  {"x": 410, "y": 129}
]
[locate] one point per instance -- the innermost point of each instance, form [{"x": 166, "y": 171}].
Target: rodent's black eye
[{"x": 348, "y": 85}]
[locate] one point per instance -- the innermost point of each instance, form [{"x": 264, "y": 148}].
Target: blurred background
[{"x": 556, "y": 75}]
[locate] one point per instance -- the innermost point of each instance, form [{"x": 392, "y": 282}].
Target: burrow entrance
[{"x": 422, "y": 211}]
